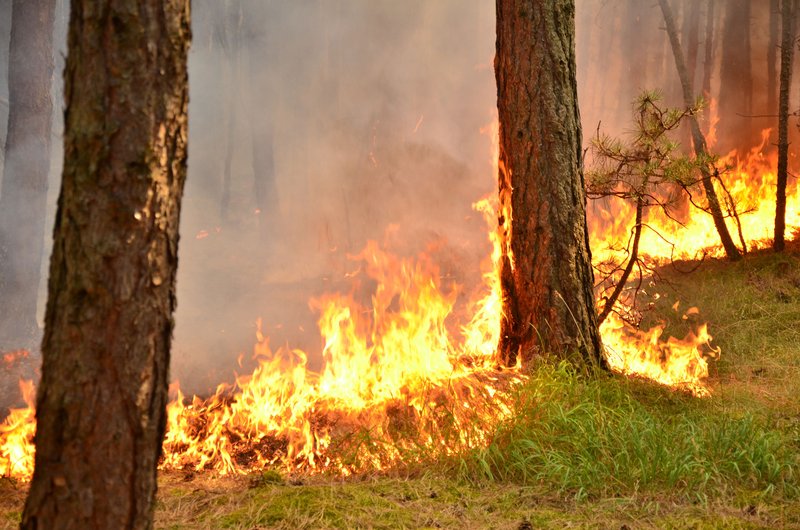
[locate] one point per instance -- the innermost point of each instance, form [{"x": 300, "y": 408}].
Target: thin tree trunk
[
  {"x": 708, "y": 56},
  {"x": 632, "y": 259},
  {"x": 546, "y": 272},
  {"x": 698, "y": 139},
  {"x": 108, "y": 325},
  {"x": 772, "y": 56},
  {"x": 736, "y": 81},
  {"x": 691, "y": 29},
  {"x": 25, "y": 170},
  {"x": 788, "y": 11},
  {"x": 231, "y": 45}
]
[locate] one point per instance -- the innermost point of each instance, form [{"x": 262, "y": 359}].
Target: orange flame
[
  {"x": 400, "y": 375},
  {"x": 16, "y": 437}
]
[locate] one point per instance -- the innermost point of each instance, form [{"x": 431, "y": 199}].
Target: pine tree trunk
[
  {"x": 736, "y": 81},
  {"x": 101, "y": 402},
  {"x": 546, "y": 272},
  {"x": 708, "y": 55},
  {"x": 26, "y": 166},
  {"x": 772, "y": 56},
  {"x": 698, "y": 140},
  {"x": 691, "y": 32},
  {"x": 788, "y": 12}
]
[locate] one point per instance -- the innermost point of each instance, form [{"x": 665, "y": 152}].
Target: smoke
[
  {"x": 316, "y": 126},
  {"x": 339, "y": 121}
]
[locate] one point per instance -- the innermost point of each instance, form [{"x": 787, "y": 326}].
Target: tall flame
[{"x": 400, "y": 374}]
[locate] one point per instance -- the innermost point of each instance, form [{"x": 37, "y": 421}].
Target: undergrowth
[{"x": 594, "y": 437}]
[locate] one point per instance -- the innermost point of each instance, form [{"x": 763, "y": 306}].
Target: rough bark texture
[
  {"x": 698, "y": 140},
  {"x": 546, "y": 272},
  {"x": 736, "y": 81},
  {"x": 26, "y": 166},
  {"x": 101, "y": 403},
  {"x": 788, "y": 12}
]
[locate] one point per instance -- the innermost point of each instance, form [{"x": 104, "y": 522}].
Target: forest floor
[{"x": 598, "y": 452}]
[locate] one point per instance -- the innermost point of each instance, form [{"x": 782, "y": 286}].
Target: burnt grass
[{"x": 585, "y": 450}]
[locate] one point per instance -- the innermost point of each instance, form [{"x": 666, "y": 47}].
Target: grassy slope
[{"x": 594, "y": 452}]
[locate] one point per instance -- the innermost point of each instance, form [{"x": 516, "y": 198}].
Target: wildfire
[
  {"x": 750, "y": 183},
  {"x": 400, "y": 375},
  {"x": 16, "y": 437},
  {"x": 395, "y": 379}
]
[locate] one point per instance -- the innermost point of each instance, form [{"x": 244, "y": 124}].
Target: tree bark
[
  {"x": 698, "y": 140},
  {"x": 546, "y": 272},
  {"x": 788, "y": 11},
  {"x": 102, "y": 397},
  {"x": 23, "y": 196}
]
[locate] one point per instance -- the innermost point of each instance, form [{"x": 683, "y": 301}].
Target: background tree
[
  {"x": 736, "y": 80},
  {"x": 708, "y": 50},
  {"x": 546, "y": 272},
  {"x": 698, "y": 140},
  {"x": 23, "y": 195},
  {"x": 772, "y": 55},
  {"x": 101, "y": 402},
  {"x": 788, "y": 13}
]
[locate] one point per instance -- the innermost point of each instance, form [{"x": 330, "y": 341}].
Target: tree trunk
[
  {"x": 633, "y": 258},
  {"x": 546, "y": 272},
  {"x": 736, "y": 81},
  {"x": 698, "y": 139},
  {"x": 788, "y": 11},
  {"x": 102, "y": 397},
  {"x": 772, "y": 56},
  {"x": 23, "y": 196},
  {"x": 708, "y": 56},
  {"x": 691, "y": 32}
]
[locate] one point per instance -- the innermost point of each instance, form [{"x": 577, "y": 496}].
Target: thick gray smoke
[
  {"x": 318, "y": 125},
  {"x": 333, "y": 122}
]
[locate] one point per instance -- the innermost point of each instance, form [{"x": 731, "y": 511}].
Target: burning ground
[{"x": 592, "y": 451}]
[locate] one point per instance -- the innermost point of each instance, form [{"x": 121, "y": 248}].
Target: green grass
[
  {"x": 598, "y": 437},
  {"x": 583, "y": 450}
]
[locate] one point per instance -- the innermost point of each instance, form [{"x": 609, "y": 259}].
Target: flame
[
  {"x": 16, "y": 436},
  {"x": 750, "y": 180},
  {"x": 388, "y": 366},
  {"x": 674, "y": 362},
  {"x": 401, "y": 374}
]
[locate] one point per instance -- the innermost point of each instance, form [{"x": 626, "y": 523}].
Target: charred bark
[
  {"x": 25, "y": 169},
  {"x": 698, "y": 140},
  {"x": 546, "y": 273},
  {"x": 788, "y": 12},
  {"x": 101, "y": 402}
]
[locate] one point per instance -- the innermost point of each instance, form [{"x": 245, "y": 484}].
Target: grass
[{"x": 583, "y": 451}]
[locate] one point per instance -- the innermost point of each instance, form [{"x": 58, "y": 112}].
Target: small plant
[{"x": 647, "y": 171}]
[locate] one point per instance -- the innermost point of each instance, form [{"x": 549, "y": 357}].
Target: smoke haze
[{"x": 316, "y": 126}]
